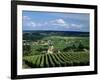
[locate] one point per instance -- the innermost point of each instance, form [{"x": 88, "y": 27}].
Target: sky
[{"x": 55, "y": 21}]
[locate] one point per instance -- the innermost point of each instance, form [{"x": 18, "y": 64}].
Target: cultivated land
[{"x": 55, "y": 49}]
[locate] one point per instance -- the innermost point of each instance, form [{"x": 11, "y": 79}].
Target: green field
[
  {"x": 57, "y": 60},
  {"x": 53, "y": 49}
]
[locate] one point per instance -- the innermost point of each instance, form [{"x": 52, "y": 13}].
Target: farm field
[
  {"x": 55, "y": 49},
  {"x": 57, "y": 60}
]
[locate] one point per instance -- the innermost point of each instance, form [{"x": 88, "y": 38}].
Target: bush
[{"x": 27, "y": 49}]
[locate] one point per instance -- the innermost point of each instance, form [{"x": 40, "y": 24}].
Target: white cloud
[
  {"x": 55, "y": 23},
  {"x": 31, "y": 24},
  {"x": 26, "y": 18},
  {"x": 34, "y": 24},
  {"x": 59, "y": 22},
  {"x": 76, "y": 25}
]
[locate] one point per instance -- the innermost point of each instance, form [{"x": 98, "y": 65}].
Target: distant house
[{"x": 50, "y": 50}]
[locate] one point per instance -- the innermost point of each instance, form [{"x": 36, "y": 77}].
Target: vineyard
[
  {"x": 57, "y": 60},
  {"x": 55, "y": 49}
]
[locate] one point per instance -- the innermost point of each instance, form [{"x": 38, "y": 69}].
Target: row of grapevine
[{"x": 57, "y": 60}]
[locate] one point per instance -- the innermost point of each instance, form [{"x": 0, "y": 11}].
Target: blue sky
[{"x": 55, "y": 21}]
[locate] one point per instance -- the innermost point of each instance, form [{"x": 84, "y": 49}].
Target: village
[{"x": 51, "y": 49}]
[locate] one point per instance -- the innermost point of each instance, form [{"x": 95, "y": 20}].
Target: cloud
[
  {"x": 59, "y": 22},
  {"x": 26, "y": 18},
  {"x": 51, "y": 24},
  {"x": 56, "y": 22},
  {"x": 34, "y": 24},
  {"x": 76, "y": 25},
  {"x": 27, "y": 21},
  {"x": 29, "y": 24}
]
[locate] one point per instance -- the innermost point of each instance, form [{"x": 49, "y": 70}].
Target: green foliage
[
  {"x": 27, "y": 49},
  {"x": 56, "y": 60},
  {"x": 68, "y": 51}
]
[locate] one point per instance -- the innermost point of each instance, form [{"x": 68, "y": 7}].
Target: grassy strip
[
  {"x": 55, "y": 60},
  {"x": 52, "y": 64},
  {"x": 42, "y": 61}
]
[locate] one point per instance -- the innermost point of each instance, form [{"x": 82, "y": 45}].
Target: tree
[
  {"x": 27, "y": 49},
  {"x": 80, "y": 47}
]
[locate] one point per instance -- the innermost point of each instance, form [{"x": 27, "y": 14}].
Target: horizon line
[{"x": 55, "y": 30}]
